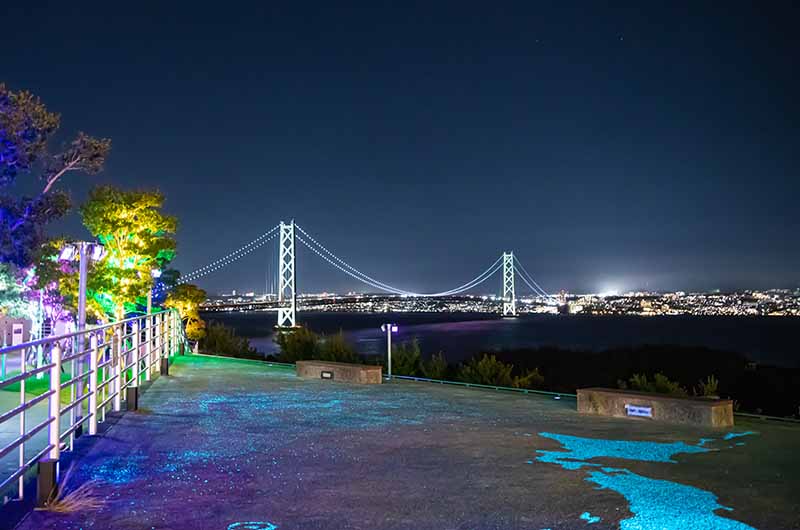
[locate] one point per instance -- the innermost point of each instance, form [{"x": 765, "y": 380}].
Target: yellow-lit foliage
[
  {"x": 186, "y": 298},
  {"x": 137, "y": 236}
]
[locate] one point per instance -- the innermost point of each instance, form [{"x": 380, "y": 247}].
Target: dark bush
[
  {"x": 336, "y": 348},
  {"x": 297, "y": 345},
  {"x": 406, "y": 358},
  {"x": 435, "y": 367},
  {"x": 222, "y": 340},
  {"x": 659, "y": 385}
]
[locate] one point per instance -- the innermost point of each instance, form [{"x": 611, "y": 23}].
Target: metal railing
[{"x": 86, "y": 374}]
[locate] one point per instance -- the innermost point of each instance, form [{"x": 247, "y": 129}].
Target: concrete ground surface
[{"x": 226, "y": 444}]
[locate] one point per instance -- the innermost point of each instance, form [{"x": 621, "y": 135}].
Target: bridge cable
[
  {"x": 237, "y": 254},
  {"x": 535, "y": 287},
  {"x": 345, "y": 267}
]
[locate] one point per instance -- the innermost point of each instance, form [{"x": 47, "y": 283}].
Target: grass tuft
[{"x": 82, "y": 498}]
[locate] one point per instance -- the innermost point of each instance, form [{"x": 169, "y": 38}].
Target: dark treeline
[
  {"x": 754, "y": 388},
  {"x": 683, "y": 370}
]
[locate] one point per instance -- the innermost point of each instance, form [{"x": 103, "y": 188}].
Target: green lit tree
[{"x": 138, "y": 238}]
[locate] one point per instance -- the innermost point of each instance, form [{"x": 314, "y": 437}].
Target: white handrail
[{"x": 103, "y": 361}]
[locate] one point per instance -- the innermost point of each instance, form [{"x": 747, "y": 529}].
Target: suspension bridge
[{"x": 289, "y": 234}]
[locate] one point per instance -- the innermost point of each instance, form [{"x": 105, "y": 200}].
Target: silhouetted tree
[{"x": 26, "y": 126}]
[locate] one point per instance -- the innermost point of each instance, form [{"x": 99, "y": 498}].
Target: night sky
[{"x": 625, "y": 148}]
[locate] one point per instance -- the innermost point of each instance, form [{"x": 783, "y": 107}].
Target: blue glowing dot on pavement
[{"x": 252, "y": 525}]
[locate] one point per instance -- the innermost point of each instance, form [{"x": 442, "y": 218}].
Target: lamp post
[
  {"x": 84, "y": 251},
  {"x": 389, "y": 328}
]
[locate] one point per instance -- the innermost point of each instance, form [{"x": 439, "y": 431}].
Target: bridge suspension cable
[
  {"x": 237, "y": 254},
  {"x": 528, "y": 279},
  {"x": 351, "y": 271}
]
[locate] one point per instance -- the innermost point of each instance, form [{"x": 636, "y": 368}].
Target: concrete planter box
[
  {"x": 342, "y": 372},
  {"x": 655, "y": 407}
]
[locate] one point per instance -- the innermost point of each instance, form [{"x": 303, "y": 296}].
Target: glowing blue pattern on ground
[
  {"x": 655, "y": 503},
  {"x": 732, "y": 435},
  {"x": 589, "y": 518},
  {"x": 582, "y": 449},
  {"x": 665, "y": 505},
  {"x": 117, "y": 469}
]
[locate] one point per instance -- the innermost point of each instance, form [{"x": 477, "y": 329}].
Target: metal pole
[
  {"x": 55, "y": 404},
  {"x": 21, "y": 482},
  {"x": 148, "y": 335},
  {"x": 389, "y": 347},
  {"x": 148, "y": 344},
  {"x": 93, "y": 385},
  {"x": 135, "y": 344},
  {"x": 159, "y": 339},
  {"x": 168, "y": 321},
  {"x": 79, "y": 342},
  {"x": 82, "y": 286},
  {"x": 116, "y": 353}
]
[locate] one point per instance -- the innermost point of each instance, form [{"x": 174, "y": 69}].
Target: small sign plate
[
  {"x": 638, "y": 410},
  {"x": 326, "y": 375}
]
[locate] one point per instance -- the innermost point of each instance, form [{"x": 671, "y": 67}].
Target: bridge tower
[
  {"x": 509, "y": 297},
  {"x": 287, "y": 291}
]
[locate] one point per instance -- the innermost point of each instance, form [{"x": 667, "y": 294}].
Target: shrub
[
  {"x": 532, "y": 379},
  {"x": 406, "y": 358},
  {"x": 222, "y": 340},
  {"x": 486, "y": 371},
  {"x": 435, "y": 367},
  {"x": 709, "y": 387},
  {"x": 336, "y": 348},
  {"x": 659, "y": 385},
  {"x": 297, "y": 345}
]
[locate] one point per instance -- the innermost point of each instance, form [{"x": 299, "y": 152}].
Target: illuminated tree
[
  {"x": 12, "y": 293},
  {"x": 57, "y": 282},
  {"x": 186, "y": 298},
  {"x": 137, "y": 237},
  {"x": 26, "y": 126}
]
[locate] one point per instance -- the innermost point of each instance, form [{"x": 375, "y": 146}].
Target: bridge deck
[{"x": 223, "y": 442}]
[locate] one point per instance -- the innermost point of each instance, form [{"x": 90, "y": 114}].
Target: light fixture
[{"x": 67, "y": 253}]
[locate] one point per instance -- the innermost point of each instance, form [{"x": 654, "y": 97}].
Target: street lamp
[
  {"x": 84, "y": 251},
  {"x": 155, "y": 274},
  {"x": 389, "y": 328}
]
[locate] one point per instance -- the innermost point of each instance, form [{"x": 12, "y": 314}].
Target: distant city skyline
[{"x": 643, "y": 147}]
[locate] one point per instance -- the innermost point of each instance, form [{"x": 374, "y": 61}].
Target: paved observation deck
[{"x": 229, "y": 444}]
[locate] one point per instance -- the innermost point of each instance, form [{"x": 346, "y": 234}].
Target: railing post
[
  {"x": 136, "y": 357},
  {"x": 132, "y": 390},
  {"x": 162, "y": 337},
  {"x": 148, "y": 322},
  {"x": 116, "y": 354},
  {"x": 93, "y": 385},
  {"x": 47, "y": 482},
  {"x": 165, "y": 320},
  {"x": 55, "y": 403},
  {"x": 171, "y": 331}
]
